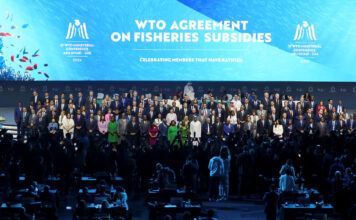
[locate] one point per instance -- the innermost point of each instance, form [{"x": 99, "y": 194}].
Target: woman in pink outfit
[
  {"x": 153, "y": 133},
  {"x": 103, "y": 126},
  {"x": 108, "y": 116}
]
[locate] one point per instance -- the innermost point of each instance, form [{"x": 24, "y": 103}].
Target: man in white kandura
[
  {"x": 189, "y": 91},
  {"x": 195, "y": 131}
]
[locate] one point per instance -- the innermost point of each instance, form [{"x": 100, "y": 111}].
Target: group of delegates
[
  {"x": 140, "y": 120},
  {"x": 255, "y": 135}
]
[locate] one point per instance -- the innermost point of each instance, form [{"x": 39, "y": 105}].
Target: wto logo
[
  {"x": 77, "y": 30},
  {"x": 305, "y": 31}
]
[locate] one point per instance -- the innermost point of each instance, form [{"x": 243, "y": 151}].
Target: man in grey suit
[
  {"x": 121, "y": 128},
  {"x": 322, "y": 127}
]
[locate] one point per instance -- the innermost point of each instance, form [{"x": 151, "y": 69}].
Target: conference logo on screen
[
  {"x": 305, "y": 31},
  {"x": 305, "y": 43},
  {"x": 77, "y": 29},
  {"x": 77, "y": 45}
]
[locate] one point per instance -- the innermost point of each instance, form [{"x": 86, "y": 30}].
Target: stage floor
[{"x": 8, "y": 114}]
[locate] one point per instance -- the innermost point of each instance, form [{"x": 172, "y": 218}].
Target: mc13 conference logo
[
  {"x": 305, "y": 44},
  {"x": 77, "y": 45}
]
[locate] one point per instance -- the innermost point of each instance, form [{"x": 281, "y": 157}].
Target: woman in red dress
[{"x": 153, "y": 133}]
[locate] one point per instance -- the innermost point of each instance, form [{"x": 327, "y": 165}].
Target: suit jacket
[
  {"x": 17, "y": 114},
  {"x": 79, "y": 102},
  {"x": 162, "y": 111},
  {"x": 92, "y": 125},
  {"x": 124, "y": 102},
  {"x": 330, "y": 126},
  {"x": 205, "y": 129},
  {"x": 255, "y": 104},
  {"x": 218, "y": 129},
  {"x": 151, "y": 116},
  {"x": 122, "y": 126},
  {"x": 183, "y": 113},
  {"x": 322, "y": 129},
  {"x": 311, "y": 128},
  {"x": 24, "y": 119},
  {"x": 133, "y": 128},
  {"x": 353, "y": 126},
  {"x": 342, "y": 125},
  {"x": 298, "y": 126},
  {"x": 62, "y": 107},
  {"x": 88, "y": 102},
  {"x": 242, "y": 115},
  {"x": 42, "y": 124},
  {"x": 248, "y": 108},
  {"x": 222, "y": 115},
  {"x": 265, "y": 103},
  {"x": 246, "y": 126},
  {"x": 35, "y": 100},
  {"x": 212, "y": 105},
  {"x": 261, "y": 129},
  {"x": 80, "y": 122},
  {"x": 116, "y": 105}
]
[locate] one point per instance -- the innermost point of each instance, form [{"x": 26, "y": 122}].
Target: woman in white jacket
[
  {"x": 278, "y": 129},
  {"x": 68, "y": 126}
]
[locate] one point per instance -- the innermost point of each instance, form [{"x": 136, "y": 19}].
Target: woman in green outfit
[
  {"x": 112, "y": 131},
  {"x": 172, "y": 133},
  {"x": 184, "y": 132}
]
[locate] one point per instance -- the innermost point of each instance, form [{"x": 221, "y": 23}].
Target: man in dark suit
[
  {"x": 342, "y": 125},
  {"x": 212, "y": 104},
  {"x": 23, "y": 122},
  {"x": 134, "y": 98},
  {"x": 42, "y": 124},
  {"x": 277, "y": 102},
  {"x": 175, "y": 108},
  {"x": 133, "y": 131},
  {"x": 80, "y": 101},
  {"x": 265, "y": 101},
  {"x": 89, "y": 99},
  {"x": 313, "y": 104},
  {"x": 330, "y": 105},
  {"x": 62, "y": 106},
  {"x": 71, "y": 110},
  {"x": 124, "y": 101},
  {"x": 56, "y": 101},
  {"x": 35, "y": 97},
  {"x": 183, "y": 112},
  {"x": 151, "y": 114},
  {"x": 17, "y": 117},
  {"x": 242, "y": 115},
  {"x": 218, "y": 128},
  {"x": 309, "y": 115},
  {"x": 220, "y": 112},
  {"x": 79, "y": 124},
  {"x": 91, "y": 125},
  {"x": 261, "y": 126},
  {"x": 116, "y": 104},
  {"x": 304, "y": 105},
  {"x": 300, "y": 124},
  {"x": 255, "y": 103},
  {"x": 248, "y": 106},
  {"x": 207, "y": 130},
  {"x": 53, "y": 113},
  {"x": 311, "y": 127},
  {"x": 90, "y": 110},
  {"x": 351, "y": 124},
  {"x": 333, "y": 126}
]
